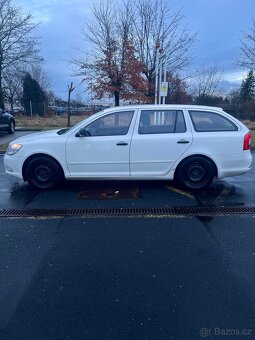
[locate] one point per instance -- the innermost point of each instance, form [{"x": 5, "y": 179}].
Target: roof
[{"x": 168, "y": 106}]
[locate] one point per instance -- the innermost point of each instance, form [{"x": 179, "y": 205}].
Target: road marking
[
  {"x": 221, "y": 197},
  {"x": 178, "y": 191}
]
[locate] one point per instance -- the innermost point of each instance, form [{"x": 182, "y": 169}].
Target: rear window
[
  {"x": 161, "y": 121},
  {"x": 204, "y": 121}
]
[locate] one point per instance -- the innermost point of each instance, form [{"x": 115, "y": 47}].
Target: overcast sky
[{"x": 219, "y": 24}]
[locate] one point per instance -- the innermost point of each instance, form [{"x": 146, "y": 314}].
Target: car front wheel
[
  {"x": 195, "y": 173},
  {"x": 44, "y": 173}
]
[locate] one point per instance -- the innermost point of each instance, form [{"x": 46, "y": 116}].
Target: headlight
[{"x": 13, "y": 148}]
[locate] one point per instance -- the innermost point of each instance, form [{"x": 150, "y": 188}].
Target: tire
[
  {"x": 43, "y": 173},
  {"x": 195, "y": 173},
  {"x": 11, "y": 128}
]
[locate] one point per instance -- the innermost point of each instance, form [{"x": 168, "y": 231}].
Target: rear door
[{"x": 160, "y": 137}]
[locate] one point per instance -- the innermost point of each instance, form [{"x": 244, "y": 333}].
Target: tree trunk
[
  {"x": 117, "y": 98},
  {"x": 150, "y": 93},
  {"x": 1, "y": 99},
  {"x": 69, "y": 109},
  {"x": 12, "y": 107},
  {"x": 151, "y": 89},
  {"x": 1, "y": 93},
  {"x": 12, "y": 102},
  {"x": 70, "y": 90}
]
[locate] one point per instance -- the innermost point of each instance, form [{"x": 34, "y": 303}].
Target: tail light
[{"x": 247, "y": 141}]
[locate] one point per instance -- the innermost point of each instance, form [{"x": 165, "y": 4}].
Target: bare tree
[
  {"x": 123, "y": 41},
  {"x": 71, "y": 88},
  {"x": 205, "y": 83},
  {"x": 12, "y": 85},
  {"x": 111, "y": 67},
  {"x": 247, "y": 56},
  {"x": 154, "y": 23},
  {"x": 16, "y": 41}
]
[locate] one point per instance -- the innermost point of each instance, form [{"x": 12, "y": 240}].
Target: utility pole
[
  {"x": 156, "y": 72},
  {"x": 161, "y": 85},
  {"x": 70, "y": 90},
  {"x": 161, "y": 53},
  {"x": 164, "y": 81}
]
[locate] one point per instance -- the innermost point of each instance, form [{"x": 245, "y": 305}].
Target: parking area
[
  {"x": 15, "y": 194},
  {"x": 135, "y": 277}
]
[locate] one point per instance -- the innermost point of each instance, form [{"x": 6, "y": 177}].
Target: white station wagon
[{"x": 191, "y": 144}]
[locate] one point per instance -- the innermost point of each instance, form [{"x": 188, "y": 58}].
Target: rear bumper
[{"x": 235, "y": 164}]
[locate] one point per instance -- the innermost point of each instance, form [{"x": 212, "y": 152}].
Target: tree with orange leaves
[{"x": 112, "y": 68}]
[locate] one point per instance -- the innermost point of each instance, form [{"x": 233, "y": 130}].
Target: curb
[{"x": 27, "y": 129}]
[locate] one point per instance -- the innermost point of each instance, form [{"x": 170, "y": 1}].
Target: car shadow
[{"x": 149, "y": 193}]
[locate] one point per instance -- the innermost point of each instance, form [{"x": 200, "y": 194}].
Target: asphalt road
[
  {"x": 120, "y": 278},
  {"x": 79, "y": 278}
]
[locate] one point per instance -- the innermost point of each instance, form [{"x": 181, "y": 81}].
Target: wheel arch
[
  {"x": 25, "y": 164},
  {"x": 196, "y": 155}
]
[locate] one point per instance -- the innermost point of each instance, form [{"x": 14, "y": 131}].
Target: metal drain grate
[{"x": 200, "y": 211}]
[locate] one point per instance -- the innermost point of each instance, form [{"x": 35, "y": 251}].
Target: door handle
[
  {"x": 121, "y": 143},
  {"x": 183, "y": 141}
]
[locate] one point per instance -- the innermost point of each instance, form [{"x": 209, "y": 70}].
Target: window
[
  {"x": 210, "y": 121},
  {"x": 161, "y": 121},
  {"x": 114, "y": 124}
]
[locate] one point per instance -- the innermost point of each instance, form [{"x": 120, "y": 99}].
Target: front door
[{"x": 104, "y": 151}]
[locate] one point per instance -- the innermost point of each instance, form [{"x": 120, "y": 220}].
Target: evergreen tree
[
  {"x": 247, "y": 91},
  {"x": 33, "y": 96}
]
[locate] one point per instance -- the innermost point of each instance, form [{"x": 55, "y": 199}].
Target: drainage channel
[{"x": 97, "y": 212}]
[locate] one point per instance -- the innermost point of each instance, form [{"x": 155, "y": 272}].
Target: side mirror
[{"x": 81, "y": 133}]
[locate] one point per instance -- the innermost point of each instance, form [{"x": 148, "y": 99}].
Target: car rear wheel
[
  {"x": 195, "y": 173},
  {"x": 11, "y": 128},
  {"x": 44, "y": 173}
]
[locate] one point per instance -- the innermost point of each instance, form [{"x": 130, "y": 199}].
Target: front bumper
[{"x": 13, "y": 165}]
